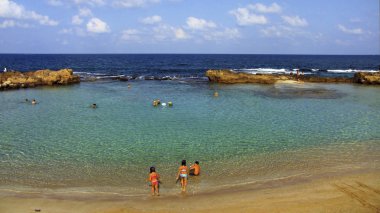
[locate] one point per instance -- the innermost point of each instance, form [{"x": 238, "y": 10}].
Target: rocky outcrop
[
  {"x": 367, "y": 78},
  {"x": 15, "y": 80},
  {"x": 230, "y": 77}
]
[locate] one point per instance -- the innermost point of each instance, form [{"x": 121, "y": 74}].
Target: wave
[
  {"x": 87, "y": 76},
  {"x": 200, "y": 76},
  {"x": 304, "y": 70},
  {"x": 350, "y": 71},
  {"x": 266, "y": 71}
]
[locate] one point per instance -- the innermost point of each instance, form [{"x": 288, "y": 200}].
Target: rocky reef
[
  {"x": 15, "y": 80},
  {"x": 367, "y": 78},
  {"x": 230, "y": 77}
]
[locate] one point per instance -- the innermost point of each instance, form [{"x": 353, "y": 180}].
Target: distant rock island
[
  {"x": 231, "y": 77},
  {"x": 15, "y": 80}
]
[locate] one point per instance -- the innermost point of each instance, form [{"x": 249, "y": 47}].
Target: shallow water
[{"x": 248, "y": 133}]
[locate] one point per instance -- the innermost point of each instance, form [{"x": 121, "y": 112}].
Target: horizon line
[{"x": 188, "y": 54}]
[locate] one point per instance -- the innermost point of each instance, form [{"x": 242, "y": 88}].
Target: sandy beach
[{"x": 354, "y": 192}]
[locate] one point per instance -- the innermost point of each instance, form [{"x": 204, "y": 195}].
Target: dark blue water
[{"x": 186, "y": 65}]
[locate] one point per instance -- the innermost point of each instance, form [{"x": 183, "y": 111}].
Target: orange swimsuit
[
  {"x": 154, "y": 178},
  {"x": 183, "y": 171}
]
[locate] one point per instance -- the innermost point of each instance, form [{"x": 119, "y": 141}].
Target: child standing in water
[
  {"x": 154, "y": 179},
  {"x": 182, "y": 174}
]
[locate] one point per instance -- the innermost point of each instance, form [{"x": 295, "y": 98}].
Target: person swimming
[
  {"x": 195, "y": 169},
  {"x": 182, "y": 175},
  {"x": 154, "y": 179},
  {"x": 34, "y": 101},
  {"x": 94, "y": 106}
]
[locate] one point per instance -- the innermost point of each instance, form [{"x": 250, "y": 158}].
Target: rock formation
[
  {"x": 230, "y": 77},
  {"x": 367, "y": 78},
  {"x": 15, "y": 80}
]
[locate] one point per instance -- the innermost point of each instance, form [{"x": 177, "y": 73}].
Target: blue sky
[{"x": 190, "y": 26}]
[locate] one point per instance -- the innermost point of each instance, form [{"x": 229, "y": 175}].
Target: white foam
[
  {"x": 263, "y": 70},
  {"x": 350, "y": 71},
  {"x": 288, "y": 71}
]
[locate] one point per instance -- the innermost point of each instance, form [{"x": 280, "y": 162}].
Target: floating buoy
[
  {"x": 163, "y": 104},
  {"x": 170, "y": 103},
  {"x": 216, "y": 94}
]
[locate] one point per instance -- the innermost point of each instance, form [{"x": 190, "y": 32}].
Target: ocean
[{"x": 249, "y": 134}]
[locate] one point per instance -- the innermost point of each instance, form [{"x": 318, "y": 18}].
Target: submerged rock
[
  {"x": 15, "y": 80},
  {"x": 299, "y": 91}
]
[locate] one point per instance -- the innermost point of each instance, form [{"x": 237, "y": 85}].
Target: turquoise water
[{"x": 248, "y": 133}]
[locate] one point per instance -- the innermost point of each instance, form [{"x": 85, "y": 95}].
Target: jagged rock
[
  {"x": 230, "y": 77},
  {"x": 123, "y": 78},
  {"x": 14, "y": 80},
  {"x": 367, "y": 78}
]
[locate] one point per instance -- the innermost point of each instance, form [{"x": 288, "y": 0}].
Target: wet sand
[{"x": 354, "y": 192}]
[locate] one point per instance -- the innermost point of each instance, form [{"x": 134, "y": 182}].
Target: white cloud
[
  {"x": 167, "y": 32},
  {"x": 180, "y": 34},
  {"x": 151, "y": 20},
  {"x": 10, "y": 9},
  {"x": 162, "y": 32},
  {"x": 199, "y": 24},
  {"x": 76, "y": 20},
  {"x": 134, "y": 3},
  {"x": 74, "y": 31},
  {"x": 244, "y": 17},
  {"x": 260, "y": 8},
  {"x": 12, "y": 23},
  {"x": 274, "y": 31},
  {"x": 96, "y": 25},
  {"x": 85, "y": 12},
  {"x": 355, "y": 31},
  {"x": 130, "y": 35},
  {"x": 295, "y": 21},
  {"x": 7, "y": 23},
  {"x": 228, "y": 33},
  {"x": 55, "y": 3},
  {"x": 90, "y": 2}
]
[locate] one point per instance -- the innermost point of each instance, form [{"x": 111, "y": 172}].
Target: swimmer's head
[
  {"x": 197, "y": 162},
  {"x": 152, "y": 169},
  {"x": 183, "y": 162}
]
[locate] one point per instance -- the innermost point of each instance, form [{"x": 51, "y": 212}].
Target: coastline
[{"x": 355, "y": 191}]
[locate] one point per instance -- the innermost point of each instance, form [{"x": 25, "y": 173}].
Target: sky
[{"x": 190, "y": 26}]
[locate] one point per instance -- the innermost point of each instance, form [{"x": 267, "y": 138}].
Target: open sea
[{"x": 249, "y": 134}]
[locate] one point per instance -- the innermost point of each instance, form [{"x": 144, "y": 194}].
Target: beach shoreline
[{"x": 355, "y": 191}]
